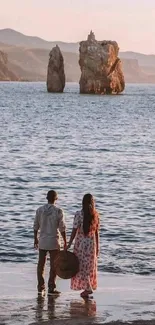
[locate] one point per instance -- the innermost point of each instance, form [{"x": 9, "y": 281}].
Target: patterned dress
[{"x": 85, "y": 250}]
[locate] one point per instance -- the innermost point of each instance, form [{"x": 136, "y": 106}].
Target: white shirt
[{"x": 50, "y": 221}]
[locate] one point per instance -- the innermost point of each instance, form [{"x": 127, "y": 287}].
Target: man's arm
[
  {"x": 36, "y": 239},
  {"x": 36, "y": 228},
  {"x": 63, "y": 234},
  {"x": 62, "y": 227}
]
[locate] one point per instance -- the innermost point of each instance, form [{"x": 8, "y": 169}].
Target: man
[{"x": 50, "y": 221}]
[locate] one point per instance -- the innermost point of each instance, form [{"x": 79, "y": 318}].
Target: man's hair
[{"x": 51, "y": 196}]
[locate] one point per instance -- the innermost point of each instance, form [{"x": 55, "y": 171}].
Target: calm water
[{"x": 77, "y": 144}]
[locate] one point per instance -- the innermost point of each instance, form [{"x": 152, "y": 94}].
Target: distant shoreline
[
  {"x": 75, "y": 82},
  {"x": 28, "y": 58}
]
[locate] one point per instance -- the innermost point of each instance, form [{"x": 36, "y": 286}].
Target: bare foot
[{"x": 86, "y": 293}]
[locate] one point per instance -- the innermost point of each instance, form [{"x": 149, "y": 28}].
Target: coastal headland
[{"x": 137, "y": 67}]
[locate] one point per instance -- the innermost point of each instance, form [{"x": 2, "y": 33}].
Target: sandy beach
[{"x": 119, "y": 298}]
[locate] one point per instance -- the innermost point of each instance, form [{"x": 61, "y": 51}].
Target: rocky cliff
[
  {"x": 101, "y": 70},
  {"x": 5, "y": 73},
  {"x": 55, "y": 74},
  {"x": 137, "y": 74},
  {"x": 36, "y": 60}
]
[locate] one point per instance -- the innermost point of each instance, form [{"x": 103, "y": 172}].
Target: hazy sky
[{"x": 130, "y": 22}]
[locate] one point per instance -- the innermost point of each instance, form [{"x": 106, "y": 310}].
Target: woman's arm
[
  {"x": 73, "y": 234},
  {"x": 97, "y": 242}
]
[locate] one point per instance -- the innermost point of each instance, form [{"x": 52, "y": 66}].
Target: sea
[{"x": 78, "y": 144}]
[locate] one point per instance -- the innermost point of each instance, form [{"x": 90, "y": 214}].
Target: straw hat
[{"x": 66, "y": 265}]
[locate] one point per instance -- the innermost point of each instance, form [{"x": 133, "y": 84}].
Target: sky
[{"x": 130, "y": 22}]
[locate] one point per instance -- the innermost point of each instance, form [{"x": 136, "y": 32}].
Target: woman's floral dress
[{"x": 85, "y": 250}]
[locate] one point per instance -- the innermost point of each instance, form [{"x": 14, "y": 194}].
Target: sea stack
[
  {"x": 55, "y": 73},
  {"x": 101, "y": 69}
]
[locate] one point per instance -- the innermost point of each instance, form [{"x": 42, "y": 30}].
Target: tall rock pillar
[{"x": 55, "y": 73}]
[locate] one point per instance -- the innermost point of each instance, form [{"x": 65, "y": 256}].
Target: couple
[{"x": 50, "y": 221}]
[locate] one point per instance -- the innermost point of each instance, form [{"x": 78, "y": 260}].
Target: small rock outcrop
[
  {"x": 55, "y": 74},
  {"x": 5, "y": 73},
  {"x": 101, "y": 70}
]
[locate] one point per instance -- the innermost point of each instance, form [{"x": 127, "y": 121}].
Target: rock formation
[
  {"x": 101, "y": 70},
  {"x": 55, "y": 74},
  {"x": 5, "y": 73}
]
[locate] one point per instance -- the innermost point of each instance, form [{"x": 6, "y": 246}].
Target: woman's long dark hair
[{"x": 89, "y": 212}]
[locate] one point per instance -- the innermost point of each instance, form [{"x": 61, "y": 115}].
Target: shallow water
[
  {"x": 77, "y": 144},
  {"x": 119, "y": 297}
]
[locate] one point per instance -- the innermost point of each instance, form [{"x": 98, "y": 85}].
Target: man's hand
[{"x": 36, "y": 243}]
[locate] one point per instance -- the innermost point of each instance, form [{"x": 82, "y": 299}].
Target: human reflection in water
[
  {"x": 51, "y": 306},
  {"x": 86, "y": 308},
  {"x": 40, "y": 307},
  {"x": 43, "y": 313}
]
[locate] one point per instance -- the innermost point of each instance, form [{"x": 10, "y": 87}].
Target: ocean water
[{"x": 76, "y": 144}]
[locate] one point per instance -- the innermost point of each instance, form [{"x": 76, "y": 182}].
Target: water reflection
[
  {"x": 40, "y": 307},
  {"x": 50, "y": 308},
  {"x": 45, "y": 309},
  {"x": 85, "y": 308}
]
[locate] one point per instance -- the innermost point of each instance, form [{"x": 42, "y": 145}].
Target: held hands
[{"x": 67, "y": 247}]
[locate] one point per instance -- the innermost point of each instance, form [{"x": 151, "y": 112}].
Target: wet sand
[{"x": 119, "y": 298}]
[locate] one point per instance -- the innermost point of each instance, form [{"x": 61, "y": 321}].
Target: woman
[{"x": 86, "y": 248}]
